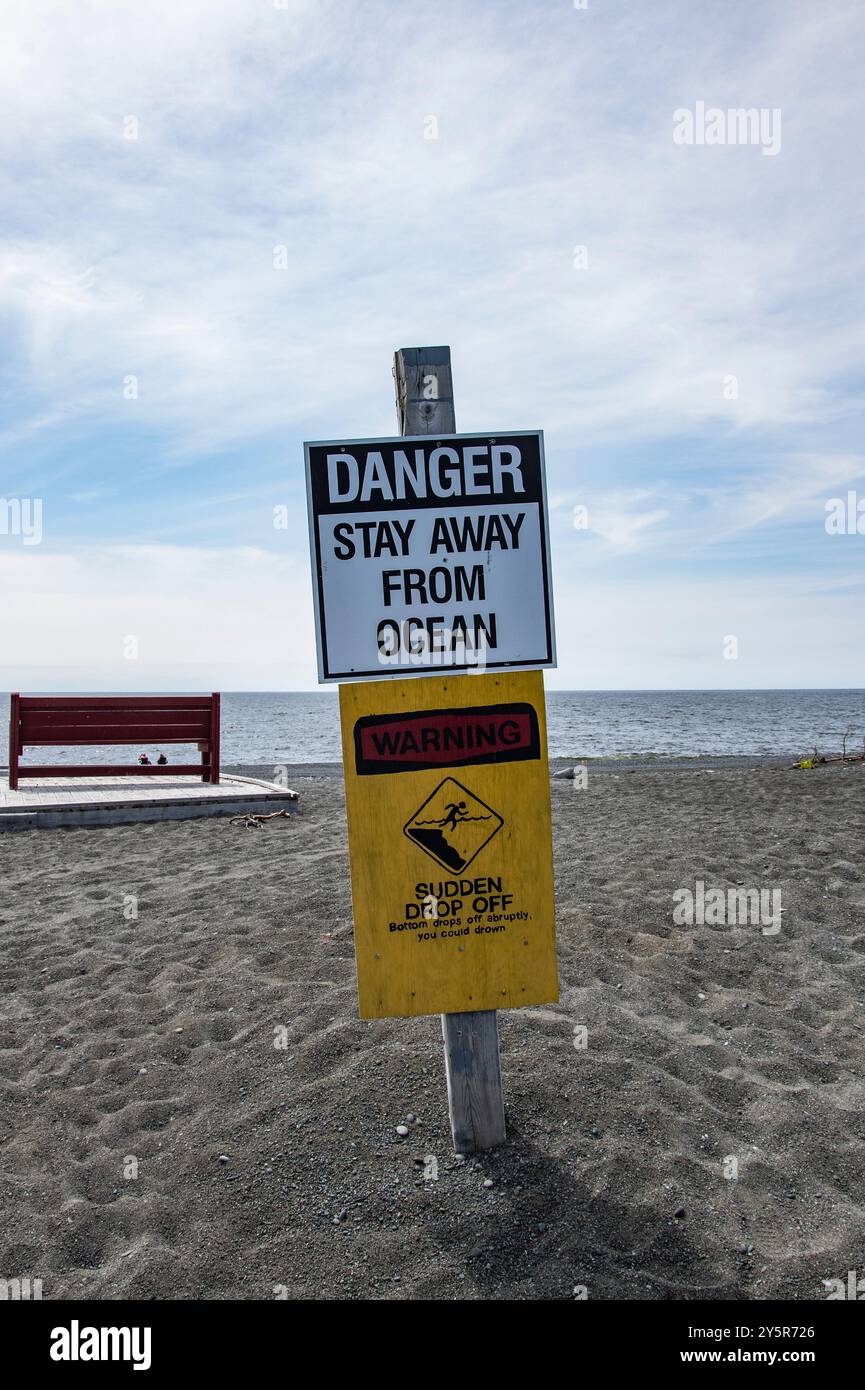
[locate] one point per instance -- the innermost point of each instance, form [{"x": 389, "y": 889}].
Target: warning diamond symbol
[{"x": 453, "y": 825}]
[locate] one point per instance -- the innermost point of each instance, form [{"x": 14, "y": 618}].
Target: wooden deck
[{"x": 50, "y": 802}]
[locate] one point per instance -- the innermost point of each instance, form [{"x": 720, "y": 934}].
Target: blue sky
[{"x": 297, "y": 133}]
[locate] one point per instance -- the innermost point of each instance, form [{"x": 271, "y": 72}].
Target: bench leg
[
  {"x": 205, "y": 764},
  {"x": 14, "y": 718},
  {"x": 214, "y": 738}
]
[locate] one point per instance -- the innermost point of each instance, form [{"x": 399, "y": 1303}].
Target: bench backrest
[
  {"x": 46, "y": 720},
  {"x": 43, "y": 721}
]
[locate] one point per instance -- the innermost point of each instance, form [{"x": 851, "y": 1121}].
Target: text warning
[
  {"x": 429, "y": 553},
  {"x": 445, "y": 738}
]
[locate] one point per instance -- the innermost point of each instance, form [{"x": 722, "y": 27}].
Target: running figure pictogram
[{"x": 455, "y": 813}]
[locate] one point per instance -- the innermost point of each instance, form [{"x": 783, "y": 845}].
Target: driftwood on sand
[
  {"x": 818, "y": 759},
  {"x": 254, "y": 821}
]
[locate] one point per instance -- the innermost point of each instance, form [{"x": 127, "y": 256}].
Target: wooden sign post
[
  {"x": 433, "y": 604},
  {"x": 425, "y": 405}
]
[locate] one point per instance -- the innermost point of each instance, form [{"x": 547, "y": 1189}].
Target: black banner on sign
[
  {"x": 433, "y": 738},
  {"x": 456, "y": 471}
]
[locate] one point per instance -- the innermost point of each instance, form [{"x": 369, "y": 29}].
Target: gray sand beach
[{"x": 190, "y": 1107}]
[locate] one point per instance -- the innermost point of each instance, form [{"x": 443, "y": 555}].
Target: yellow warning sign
[{"x": 448, "y": 799}]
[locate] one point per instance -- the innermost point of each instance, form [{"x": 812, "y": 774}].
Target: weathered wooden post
[
  {"x": 409, "y": 739},
  {"x": 425, "y": 406}
]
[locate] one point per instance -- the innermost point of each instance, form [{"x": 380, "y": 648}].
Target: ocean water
[{"x": 304, "y": 728}]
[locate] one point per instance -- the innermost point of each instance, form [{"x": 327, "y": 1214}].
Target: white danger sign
[{"x": 429, "y": 553}]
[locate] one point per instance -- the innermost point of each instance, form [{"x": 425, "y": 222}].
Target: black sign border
[{"x": 325, "y": 673}]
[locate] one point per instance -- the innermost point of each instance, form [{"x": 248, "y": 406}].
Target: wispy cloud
[
  {"x": 220, "y": 218},
  {"x": 622, "y": 518},
  {"x": 268, "y": 129},
  {"x": 796, "y": 492}
]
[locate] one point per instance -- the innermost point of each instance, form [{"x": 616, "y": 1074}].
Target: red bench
[{"x": 42, "y": 721}]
